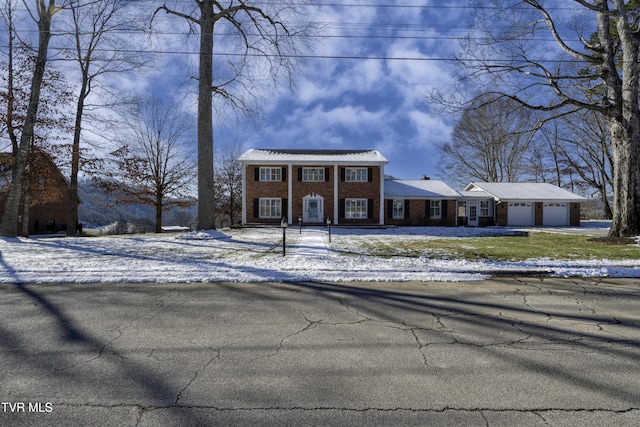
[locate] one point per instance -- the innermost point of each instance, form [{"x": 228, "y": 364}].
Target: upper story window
[
  {"x": 270, "y": 174},
  {"x": 313, "y": 174},
  {"x": 356, "y": 174}
]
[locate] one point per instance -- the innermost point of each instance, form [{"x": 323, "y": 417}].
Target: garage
[
  {"x": 555, "y": 214},
  {"x": 520, "y": 213}
]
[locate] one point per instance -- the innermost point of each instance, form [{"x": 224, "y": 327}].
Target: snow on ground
[{"x": 255, "y": 255}]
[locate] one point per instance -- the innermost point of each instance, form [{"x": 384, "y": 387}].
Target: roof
[
  {"x": 419, "y": 189},
  {"x": 277, "y": 156},
  {"x": 529, "y": 191}
]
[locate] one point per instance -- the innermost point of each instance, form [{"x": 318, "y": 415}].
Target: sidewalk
[{"x": 311, "y": 243}]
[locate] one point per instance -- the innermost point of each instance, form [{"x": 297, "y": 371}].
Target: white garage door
[
  {"x": 520, "y": 213},
  {"x": 555, "y": 214}
]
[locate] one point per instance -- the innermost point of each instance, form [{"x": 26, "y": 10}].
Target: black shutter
[
  {"x": 406, "y": 209},
  {"x": 427, "y": 209},
  {"x": 342, "y": 174},
  {"x": 369, "y": 208},
  {"x": 257, "y": 173},
  {"x": 284, "y": 208},
  {"x": 390, "y": 208},
  {"x": 342, "y": 209},
  {"x": 299, "y": 174},
  {"x": 256, "y": 208},
  {"x": 443, "y": 208},
  {"x": 370, "y": 174},
  {"x": 327, "y": 172},
  {"x": 284, "y": 173}
]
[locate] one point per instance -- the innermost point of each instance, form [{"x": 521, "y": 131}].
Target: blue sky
[
  {"x": 376, "y": 103},
  {"x": 365, "y": 85}
]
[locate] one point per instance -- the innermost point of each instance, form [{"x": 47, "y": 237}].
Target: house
[
  {"x": 521, "y": 204},
  {"x": 348, "y": 187},
  {"x": 48, "y": 194},
  {"x": 420, "y": 202},
  {"x": 343, "y": 186}
]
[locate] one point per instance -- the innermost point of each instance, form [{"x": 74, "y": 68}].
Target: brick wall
[
  {"x": 419, "y": 213},
  {"x": 256, "y": 189}
]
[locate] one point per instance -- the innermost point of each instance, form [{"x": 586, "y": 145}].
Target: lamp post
[
  {"x": 329, "y": 225},
  {"x": 300, "y": 222},
  {"x": 283, "y": 224}
]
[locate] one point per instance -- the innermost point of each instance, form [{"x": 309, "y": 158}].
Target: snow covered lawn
[{"x": 255, "y": 255}]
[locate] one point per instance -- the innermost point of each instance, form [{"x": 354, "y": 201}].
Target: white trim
[
  {"x": 381, "y": 213},
  {"x": 336, "y": 201},
  {"x": 290, "y": 193},
  {"x": 244, "y": 194}
]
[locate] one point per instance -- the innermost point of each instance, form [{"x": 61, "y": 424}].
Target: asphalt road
[{"x": 504, "y": 352}]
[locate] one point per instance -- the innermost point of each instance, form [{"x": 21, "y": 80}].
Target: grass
[{"x": 504, "y": 248}]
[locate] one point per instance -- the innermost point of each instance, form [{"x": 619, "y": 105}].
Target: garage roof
[{"x": 529, "y": 191}]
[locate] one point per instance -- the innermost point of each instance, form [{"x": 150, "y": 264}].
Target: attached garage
[
  {"x": 555, "y": 214},
  {"x": 530, "y": 203},
  {"x": 520, "y": 214}
]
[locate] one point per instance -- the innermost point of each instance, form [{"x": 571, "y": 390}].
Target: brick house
[
  {"x": 420, "y": 202},
  {"x": 345, "y": 186},
  {"x": 48, "y": 194}
]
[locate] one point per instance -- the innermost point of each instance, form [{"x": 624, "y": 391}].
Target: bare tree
[
  {"x": 555, "y": 77},
  {"x": 228, "y": 182},
  {"x": 101, "y": 29},
  {"x": 260, "y": 31},
  {"x": 43, "y": 16},
  {"x": 489, "y": 142},
  {"x": 585, "y": 147},
  {"x": 154, "y": 166}
]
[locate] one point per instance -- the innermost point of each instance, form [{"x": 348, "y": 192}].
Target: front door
[
  {"x": 473, "y": 215},
  {"x": 313, "y": 208}
]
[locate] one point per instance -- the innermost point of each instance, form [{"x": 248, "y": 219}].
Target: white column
[
  {"x": 244, "y": 193},
  {"x": 290, "y": 193},
  {"x": 336, "y": 201},
  {"x": 381, "y": 194}
]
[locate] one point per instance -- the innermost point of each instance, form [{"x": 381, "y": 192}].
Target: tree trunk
[
  {"x": 9, "y": 224},
  {"x": 72, "y": 215},
  {"x": 206, "y": 198},
  {"x": 624, "y": 125},
  {"x": 159, "y": 215}
]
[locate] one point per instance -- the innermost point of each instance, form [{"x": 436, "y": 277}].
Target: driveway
[{"x": 504, "y": 352}]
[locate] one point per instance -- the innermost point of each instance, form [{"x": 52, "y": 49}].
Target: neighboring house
[
  {"x": 48, "y": 194},
  {"x": 521, "y": 204},
  {"x": 420, "y": 202},
  {"x": 344, "y": 186}
]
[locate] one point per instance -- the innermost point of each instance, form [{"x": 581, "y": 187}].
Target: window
[
  {"x": 313, "y": 174},
  {"x": 270, "y": 208},
  {"x": 398, "y": 209},
  {"x": 355, "y": 208},
  {"x": 462, "y": 208},
  {"x": 484, "y": 208},
  {"x": 270, "y": 174},
  {"x": 435, "y": 209},
  {"x": 355, "y": 175}
]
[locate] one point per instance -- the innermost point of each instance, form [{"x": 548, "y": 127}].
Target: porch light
[{"x": 284, "y": 224}]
